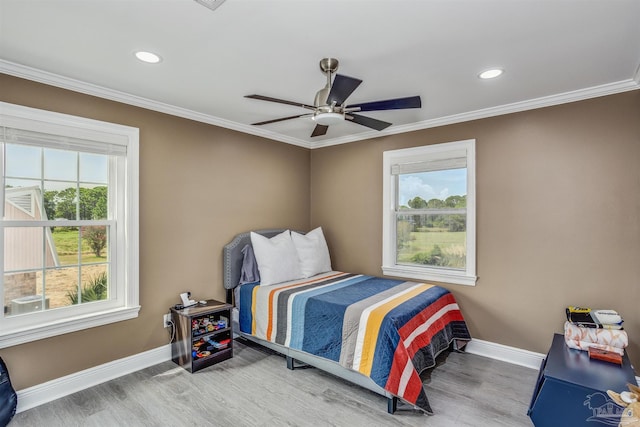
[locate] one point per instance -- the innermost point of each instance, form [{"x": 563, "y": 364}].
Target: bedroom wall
[
  {"x": 558, "y": 211},
  {"x": 199, "y": 186}
]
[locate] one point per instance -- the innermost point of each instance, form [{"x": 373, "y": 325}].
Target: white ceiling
[{"x": 552, "y": 52}]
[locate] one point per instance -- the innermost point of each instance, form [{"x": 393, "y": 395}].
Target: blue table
[{"x": 571, "y": 389}]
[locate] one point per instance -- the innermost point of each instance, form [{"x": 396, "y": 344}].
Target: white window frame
[
  {"x": 427, "y": 153},
  {"x": 124, "y": 228}
]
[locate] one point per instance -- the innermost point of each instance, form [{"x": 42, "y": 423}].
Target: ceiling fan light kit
[
  {"x": 328, "y": 118},
  {"x": 330, "y": 108}
]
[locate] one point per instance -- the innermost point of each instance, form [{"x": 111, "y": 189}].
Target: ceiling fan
[{"x": 329, "y": 106}]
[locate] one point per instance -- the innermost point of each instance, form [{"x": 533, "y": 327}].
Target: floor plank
[{"x": 256, "y": 389}]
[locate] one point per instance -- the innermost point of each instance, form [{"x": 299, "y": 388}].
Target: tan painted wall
[
  {"x": 558, "y": 207},
  {"x": 199, "y": 186}
]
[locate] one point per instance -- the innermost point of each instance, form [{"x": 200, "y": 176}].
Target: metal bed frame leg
[
  {"x": 291, "y": 364},
  {"x": 392, "y": 404}
]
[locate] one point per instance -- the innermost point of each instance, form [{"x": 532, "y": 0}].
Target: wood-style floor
[{"x": 256, "y": 389}]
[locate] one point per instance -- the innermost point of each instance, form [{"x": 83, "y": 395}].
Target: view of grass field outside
[
  {"x": 81, "y": 251},
  {"x": 431, "y": 219}
]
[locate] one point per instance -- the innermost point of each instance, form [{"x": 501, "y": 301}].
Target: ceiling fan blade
[
  {"x": 280, "y": 101},
  {"x": 367, "y": 121},
  {"x": 319, "y": 130},
  {"x": 389, "y": 104},
  {"x": 341, "y": 88},
  {"x": 281, "y": 119}
]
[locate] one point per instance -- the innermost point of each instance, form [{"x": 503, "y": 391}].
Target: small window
[
  {"x": 69, "y": 223},
  {"x": 429, "y": 213}
]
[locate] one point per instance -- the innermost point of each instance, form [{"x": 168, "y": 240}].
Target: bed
[{"x": 375, "y": 332}]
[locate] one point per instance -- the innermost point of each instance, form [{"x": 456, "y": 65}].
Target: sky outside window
[
  {"x": 25, "y": 162},
  {"x": 432, "y": 185}
]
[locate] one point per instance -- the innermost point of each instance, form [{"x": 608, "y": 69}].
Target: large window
[
  {"x": 69, "y": 223},
  {"x": 429, "y": 213}
]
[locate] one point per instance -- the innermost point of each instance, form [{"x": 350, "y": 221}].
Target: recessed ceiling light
[
  {"x": 491, "y": 74},
  {"x": 149, "y": 57}
]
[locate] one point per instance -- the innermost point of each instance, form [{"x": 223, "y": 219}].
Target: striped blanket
[{"x": 386, "y": 329}]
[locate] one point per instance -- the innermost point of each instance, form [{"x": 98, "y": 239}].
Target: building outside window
[
  {"x": 429, "y": 213},
  {"x": 69, "y": 223}
]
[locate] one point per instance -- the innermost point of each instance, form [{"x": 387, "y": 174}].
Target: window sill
[
  {"x": 72, "y": 324},
  {"x": 419, "y": 273}
]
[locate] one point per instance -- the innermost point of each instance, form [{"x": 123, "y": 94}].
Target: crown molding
[
  {"x": 45, "y": 77},
  {"x": 531, "y": 104}
]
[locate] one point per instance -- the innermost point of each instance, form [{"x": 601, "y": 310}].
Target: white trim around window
[
  {"x": 33, "y": 127},
  {"x": 436, "y": 157}
]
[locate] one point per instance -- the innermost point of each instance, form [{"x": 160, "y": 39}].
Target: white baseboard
[
  {"x": 60, "y": 387},
  {"x": 514, "y": 355}
]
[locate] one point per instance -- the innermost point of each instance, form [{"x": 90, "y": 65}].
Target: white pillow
[
  {"x": 313, "y": 252},
  {"x": 276, "y": 257}
]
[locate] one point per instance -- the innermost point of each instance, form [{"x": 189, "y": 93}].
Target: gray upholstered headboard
[{"x": 232, "y": 255}]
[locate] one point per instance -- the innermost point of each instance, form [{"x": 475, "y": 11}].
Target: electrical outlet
[{"x": 166, "y": 320}]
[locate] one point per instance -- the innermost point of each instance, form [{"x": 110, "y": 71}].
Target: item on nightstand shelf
[
  {"x": 606, "y": 339},
  {"x": 630, "y": 401},
  {"x": 597, "y": 319},
  {"x": 606, "y": 355},
  {"x": 586, "y": 328},
  {"x": 219, "y": 345}
]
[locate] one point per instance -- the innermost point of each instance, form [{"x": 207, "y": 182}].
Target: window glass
[
  {"x": 23, "y": 161},
  {"x": 92, "y": 201},
  {"x": 58, "y": 287},
  {"x": 60, "y": 164},
  {"x": 23, "y": 257},
  {"x": 65, "y": 245},
  {"x": 21, "y": 199},
  {"x": 431, "y": 218},
  {"x": 94, "y": 241},
  {"x": 93, "y": 168}
]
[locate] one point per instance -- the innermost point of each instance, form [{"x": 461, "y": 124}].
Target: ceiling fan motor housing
[{"x": 320, "y": 100}]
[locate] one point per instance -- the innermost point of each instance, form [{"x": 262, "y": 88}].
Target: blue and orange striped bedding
[{"x": 389, "y": 330}]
